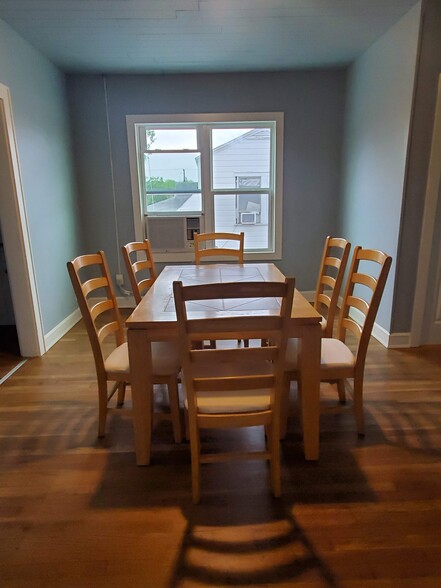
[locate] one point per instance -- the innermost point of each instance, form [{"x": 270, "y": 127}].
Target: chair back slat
[
  {"x": 364, "y": 280},
  {"x": 94, "y": 284},
  {"x": 100, "y": 308},
  {"x": 107, "y": 330},
  {"x": 201, "y": 250},
  {"x": 246, "y": 354},
  {"x": 329, "y": 281},
  {"x": 134, "y": 265},
  {"x": 222, "y": 384},
  {"x": 351, "y": 325},
  {"x": 332, "y": 269},
  {"x": 358, "y": 303}
]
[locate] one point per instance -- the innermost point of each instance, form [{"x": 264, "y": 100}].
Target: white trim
[
  {"x": 399, "y": 340},
  {"x": 380, "y": 334},
  {"x": 126, "y": 302},
  {"x": 17, "y": 241},
  {"x": 428, "y": 227},
  {"x": 14, "y": 369},
  {"x": 62, "y": 328},
  {"x": 208, "y": 118}
]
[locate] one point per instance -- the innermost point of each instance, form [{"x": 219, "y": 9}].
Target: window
[{"x": 207, "y": 173}]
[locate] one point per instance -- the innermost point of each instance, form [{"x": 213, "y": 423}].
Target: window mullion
[{"x": 204, "y": 139}]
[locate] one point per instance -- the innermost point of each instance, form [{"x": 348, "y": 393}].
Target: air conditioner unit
[
  {"x": 172, "y": 233},
  {"x": 248, "y": 218}
]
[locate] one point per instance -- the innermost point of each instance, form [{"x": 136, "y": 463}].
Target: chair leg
[
  {"x": 102, "y": 407},
  {"x": 274, "y": 448},
  {"x": 284, "y": 407},
  {"x": 341, "y": 388},
  {"x": 121, "y": 394},
  {"x": 358, "y": 404},
  {"x": 195, "y": 449},
  {"x": 173, "y": 399}
]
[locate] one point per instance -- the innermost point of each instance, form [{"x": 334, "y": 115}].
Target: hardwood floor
[{"x": 75, "y": 511}]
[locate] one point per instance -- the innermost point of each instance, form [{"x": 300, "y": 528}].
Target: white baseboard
[
  {"x": 397, "y": 340},
  {"x": 125, "y": 302},
  {"x": 61, "y": 329},
  {"x": 389, "y": 340}
]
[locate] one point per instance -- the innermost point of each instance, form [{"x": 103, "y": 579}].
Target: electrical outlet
[{"x": 120, "y": 279}]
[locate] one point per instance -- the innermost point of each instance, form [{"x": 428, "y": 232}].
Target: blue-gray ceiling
[{"x": 168, "y": 36}]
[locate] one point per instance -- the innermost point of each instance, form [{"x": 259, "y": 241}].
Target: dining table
[{"x": 154, "y": 319}]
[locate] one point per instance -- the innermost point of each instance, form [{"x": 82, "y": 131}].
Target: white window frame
[{"x": 133, "y": 121}]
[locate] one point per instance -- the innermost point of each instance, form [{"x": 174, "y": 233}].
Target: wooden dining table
[{"x": 154, "y": 319}]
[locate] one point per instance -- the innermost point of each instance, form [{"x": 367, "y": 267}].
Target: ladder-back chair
[
  {"x": 361, "y": 300},
  {"x": 95, "y": 294},
  {"x": 234, "y": 386}
]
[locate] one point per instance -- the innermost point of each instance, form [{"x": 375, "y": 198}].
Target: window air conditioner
[
  {"x": 248, "y": 218},
  {"x": 171, "y": 233}
]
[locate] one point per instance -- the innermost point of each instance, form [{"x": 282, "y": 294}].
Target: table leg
[
  {"x": 140, "y": 356},
  {"x": 309, "y": 375}
]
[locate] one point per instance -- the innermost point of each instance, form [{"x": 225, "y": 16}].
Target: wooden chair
[
  {"x": 337, "y": 361},
  {"x": 235, "y": 386},
  {"x": 135, "y": 266},
  {"x": 201, "y": 251},
  {"x": 90, "y": 276},
  {"x": 332, "y": 271}
]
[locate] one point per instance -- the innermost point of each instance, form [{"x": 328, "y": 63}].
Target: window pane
[
  {"x": 172, "y": 182},
  {"x": 241, "y": 153},
  {"x": 171, "y": 139},
  {"x": 173, "y": 203},
  {"x": 247, "y": 213}
]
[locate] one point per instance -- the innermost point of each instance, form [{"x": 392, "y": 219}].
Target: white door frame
[
  {"x": 428, "y": 226},
  {"x": 16, "y": 239}
]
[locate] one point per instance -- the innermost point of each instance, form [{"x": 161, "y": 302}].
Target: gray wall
[
  {"x": 313, "y": 103},
  {"x": 429, "y": 69},
  {"x": 378, "y": 118},
  {"x": 43, "y": 138}
]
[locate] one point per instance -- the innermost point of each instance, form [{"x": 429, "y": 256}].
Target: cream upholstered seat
[
  {"x": 234, "y": 386},
  {"x": 165, "y": 359},
  {"x": 332, "y": 270},
  {"x": 337, "y": 361},
  {"x": 102, "y": 318},
  {"x": 333, "y": 353},
  {"x": 138, "y": 268}
]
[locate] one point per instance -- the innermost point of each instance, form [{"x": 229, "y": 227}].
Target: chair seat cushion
[
  {"x": 165, "y": 359},
  {"x": 233, "y": 401},
  {"x": 334, "y": 353}
]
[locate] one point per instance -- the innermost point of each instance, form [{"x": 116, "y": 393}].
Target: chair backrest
[
  {"x": 362, "y": 285},
  {"x": 139, "y": 285},
  {"x": 90, "y": 277},
  {"x": 201, "y": 250},
  {"x": 247, "y": 361},
  {"x": 332, "y": 271}
]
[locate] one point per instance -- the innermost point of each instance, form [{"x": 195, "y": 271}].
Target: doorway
[
  {"x": 15, "y": 238},
  {"x": 426, "y": 320}
]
